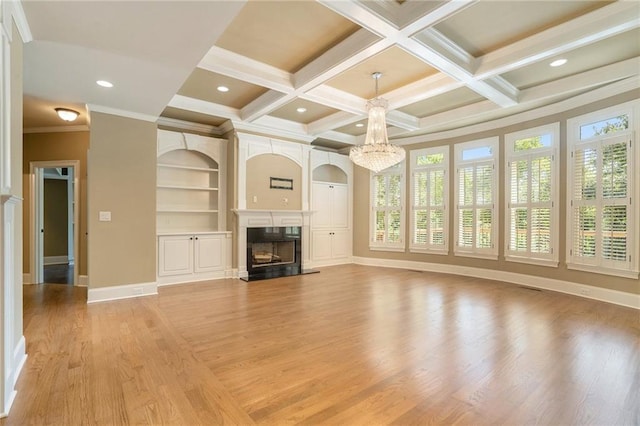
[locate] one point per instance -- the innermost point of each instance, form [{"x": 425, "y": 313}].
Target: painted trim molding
[
  {"x": 19, "y": 360},
  {"x": 56, "y": 260},
  {"x": 26, "y": 279},
  {"x": 121, "y": 112},
  {"x": 589, "y": 292},
  {"x": 83, "y": 280},
  {"x": 104, "y": 294}
]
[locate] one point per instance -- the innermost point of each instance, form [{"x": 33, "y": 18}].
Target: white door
[
  {"x": 321, "y": 205},
  {"x": 208, "y": 254},
  {"x": 175, "y": 255},
  {"x": 339, "y": 206},
  {"x": 321, "y": 245},
  {"x": 38, "y": 276},
  {"x": 340, "y": 244}
]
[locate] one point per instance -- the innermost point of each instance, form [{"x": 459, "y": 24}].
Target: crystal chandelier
[{"x": 377, "y": 153}]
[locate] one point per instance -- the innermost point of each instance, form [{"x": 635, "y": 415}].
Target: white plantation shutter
[
  {"x": 387, "y": 200},
  {"x": 601, "y": 217},
  {"x": 430, "y": 189},
  {"x": 531, "y": 195},
  {"x": 476, "y": 189}
]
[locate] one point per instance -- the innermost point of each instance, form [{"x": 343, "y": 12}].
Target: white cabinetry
[
  {"x": 331, "y": 203},
  {"x": 193, "y": 244},
  {"x": 193, "y": 257}
]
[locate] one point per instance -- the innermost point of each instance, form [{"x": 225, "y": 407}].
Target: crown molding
[
  {"x": 56, "y": 129},
  {"x": 120, "y": 112},
  {"x": 604, "y": 92},
  {"x": 20, "y": 18},
  {"x": 189, "y": 126}
]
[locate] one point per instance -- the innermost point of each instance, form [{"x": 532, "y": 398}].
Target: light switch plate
[{"x": 105, "y": 216}]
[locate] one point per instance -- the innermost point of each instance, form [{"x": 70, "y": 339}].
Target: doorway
[{"x": 54, "y": 221}]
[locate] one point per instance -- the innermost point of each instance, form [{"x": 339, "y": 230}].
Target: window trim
[
  {"x": 414, "y": 168},
  {"x": 509, "y": 155},
  {"x": 388, "y": 246},
  {"x": 632, "y": 109},
  {"x": 494, "y": 142}
]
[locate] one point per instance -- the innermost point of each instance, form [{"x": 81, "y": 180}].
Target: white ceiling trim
[
  {"x": 279, "y": 129},
  {"x": 19, "y": 17},
  {"x": 587, "y": 29},
  {"x": 567, "y": 85},
  {"x": 56, "y": 129},
  {"x": 339, "y": 137},
  {"x": 187, "y": 125},
  {"x": 333, "y": 121},
  {"x": 204, "y": 107},
  {"x": 230, "y": 64},
  {"x": 612, "y": 89},
  {"x": 431, "y": 47},
  {"x": 120, "y": 112}
]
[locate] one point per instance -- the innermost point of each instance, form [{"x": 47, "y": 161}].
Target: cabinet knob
[
  {"x": 196, "y": 238},
  {"x": 191, "y": 238}
]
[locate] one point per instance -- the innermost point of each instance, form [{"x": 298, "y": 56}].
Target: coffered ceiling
[{"x": 302, "y": 69}]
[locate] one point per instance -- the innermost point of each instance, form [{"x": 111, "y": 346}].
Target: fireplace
[{"x": 273, "y": 251}]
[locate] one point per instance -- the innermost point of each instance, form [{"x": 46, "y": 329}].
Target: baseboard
[
  {"x": 83, "y": 281},
  {"x": 190, "y": 278},
  {"x": 26, "y": 278},
  {"x": 328, "y": 262},
  {"x": 18, "y": 361},
  {"x": 104, "y": 294},
  {"x": 590, "y": 292},
  {"x": 56, "y": 260}
]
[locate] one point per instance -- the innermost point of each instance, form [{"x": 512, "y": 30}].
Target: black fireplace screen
[{"x": 273, "y": 251}]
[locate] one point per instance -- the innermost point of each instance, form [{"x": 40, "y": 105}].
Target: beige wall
[
  {"x": 56, "y": 218},
  {"x": 60, "y": 147},
  {"x": 361, "y": 210},
  {"x": 259, "y": 171},
  {"x": 122, "y": 180}
]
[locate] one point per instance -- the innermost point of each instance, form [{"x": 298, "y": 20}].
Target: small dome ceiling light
[
  {"x": 67, "y": 114},
  {"x": 104, "y": 83}
]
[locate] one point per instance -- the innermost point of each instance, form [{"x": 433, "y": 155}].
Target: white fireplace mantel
[{"x": 264, "y": 218}]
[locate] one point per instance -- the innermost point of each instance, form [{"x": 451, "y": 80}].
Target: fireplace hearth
[{"x": 273, "y": 251}]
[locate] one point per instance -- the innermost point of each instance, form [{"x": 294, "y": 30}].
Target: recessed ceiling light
[
  {"x": 558, "y": 62},
  {"x": 301, "y": 110},
  {"x": 223, "y": 89},
  {"x": 104, "y": 83},
  {"x": 359, "y": 125}
]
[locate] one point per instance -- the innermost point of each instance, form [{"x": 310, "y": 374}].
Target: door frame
[{"x": 36, "y": 185}]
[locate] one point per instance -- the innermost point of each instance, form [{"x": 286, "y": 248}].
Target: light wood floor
[{"x": 351, "y": 345}]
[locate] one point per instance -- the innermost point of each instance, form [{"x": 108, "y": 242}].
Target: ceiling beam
[{"x": 602, "y": 23}]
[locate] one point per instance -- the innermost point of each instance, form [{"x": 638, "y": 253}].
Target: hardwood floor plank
[{"x": 351, "y": 345}]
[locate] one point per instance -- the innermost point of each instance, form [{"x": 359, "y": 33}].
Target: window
[
  {"x": 430, "y": 193},
  {"x": 476, "y": 192},
  {"x": 601, "y": 219},
  {"x": 387, "y": 212},
  {"x": 531, "y": 196}
]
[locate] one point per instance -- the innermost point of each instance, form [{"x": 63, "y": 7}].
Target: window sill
[
  {"x": 423, "y": 250},
  {"x": 603, "y": 270},
  {"x": 531, "y": 261},
  {"x": 487, "y": 256},
  {"x": 387, "y": 248}
]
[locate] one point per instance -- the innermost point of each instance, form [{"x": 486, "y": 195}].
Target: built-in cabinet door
[
  {"x": 339, "y": 206},
  {"x": 330, "y": 204},
  {"x": 175, "y": 255},
  {"x": 321, "y": 245},
  {"x": 321, "y": 205},
  {"x": 340, "y": 243},
  {"x": 208, "y": 251}
]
